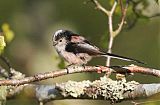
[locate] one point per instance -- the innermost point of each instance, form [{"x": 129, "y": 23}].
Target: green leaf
[
  {"x": 8, "y": 33},
  {"x": 2, "y": 44}
]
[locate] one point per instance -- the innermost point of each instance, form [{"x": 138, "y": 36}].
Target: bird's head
[{"x": 61, "y": 37}]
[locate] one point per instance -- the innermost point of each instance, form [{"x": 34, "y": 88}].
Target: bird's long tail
[{"x": 122, "y": 58}]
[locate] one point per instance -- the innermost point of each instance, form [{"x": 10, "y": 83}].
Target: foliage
[
  {"x": 2, "y": 44},
  {"x": 8, "y": 33},
  {"x": 6, "y": 36}
]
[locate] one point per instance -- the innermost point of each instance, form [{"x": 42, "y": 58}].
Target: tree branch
[
  {"x": 103, "y": 89},
  {"x": 79, "y": 69}
]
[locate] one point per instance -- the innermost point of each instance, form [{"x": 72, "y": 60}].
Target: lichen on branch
[{"x": 107, "y": 88}]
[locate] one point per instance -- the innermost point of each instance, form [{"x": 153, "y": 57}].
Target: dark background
[{"x": 35, "y": 21}]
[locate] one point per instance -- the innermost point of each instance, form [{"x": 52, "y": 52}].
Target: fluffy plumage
[{"x": 75, "y": 49}]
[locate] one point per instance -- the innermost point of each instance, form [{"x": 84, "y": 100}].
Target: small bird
[{"x": 77, "y": 50}]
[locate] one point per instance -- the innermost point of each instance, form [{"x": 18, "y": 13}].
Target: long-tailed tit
[{"x": 75, "y": 49}]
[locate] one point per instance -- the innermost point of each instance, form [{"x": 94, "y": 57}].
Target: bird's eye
[{"x": 60, "y": 40}]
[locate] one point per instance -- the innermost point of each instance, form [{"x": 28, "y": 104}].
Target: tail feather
[{"x": 122, "y": 58}]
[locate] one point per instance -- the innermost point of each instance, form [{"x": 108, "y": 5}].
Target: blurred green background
[{"x": 35, "y": 21}]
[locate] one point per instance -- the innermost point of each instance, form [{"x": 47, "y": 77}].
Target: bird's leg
[
  {"x": 83, "y": 65},
  {"x": 99, "y": 70},
  {"x": 68, "y": 66}
]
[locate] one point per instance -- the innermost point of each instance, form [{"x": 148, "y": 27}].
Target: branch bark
[{"x": 79, "y": 69}]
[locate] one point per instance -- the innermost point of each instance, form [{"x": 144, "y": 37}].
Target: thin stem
[
  {"x": 100, "y": 7},
  {"x": 111, "y": 32},
  {"x": 109, "y": 50},
  {"x": 121, "y": 5},
  {"x": 113, "y": 8},
  {"x": 116, "y": 32},
  {"x": 110, "y": 19}
]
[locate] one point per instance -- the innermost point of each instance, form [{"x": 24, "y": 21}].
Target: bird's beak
[{"x": 55, "y": 43}]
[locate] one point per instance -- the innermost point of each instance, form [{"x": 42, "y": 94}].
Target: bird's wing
[
  {"x": 94, "y": 51},
  {"x": 83, "y": 47},
  {"x": 77, "y": 38},
  {"x": 81, "y": 40}
]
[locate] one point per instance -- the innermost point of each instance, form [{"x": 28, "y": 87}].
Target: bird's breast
[{"x": 72, "y": 58}]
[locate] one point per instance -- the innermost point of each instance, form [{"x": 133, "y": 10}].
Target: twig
[
  {"x": 100, "y": 7},
  {"x": 79, "y": 69},
  {"x": 113, "y": 7},
  {"x": 121, "y": 5},
  {"x": 113, "y": 33},
  {"x": 111, "y": 36},
  {"x": 109, "y": 14},
  {"x": 52, "y": 74},
  {"x": 116, "y": 32}
]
